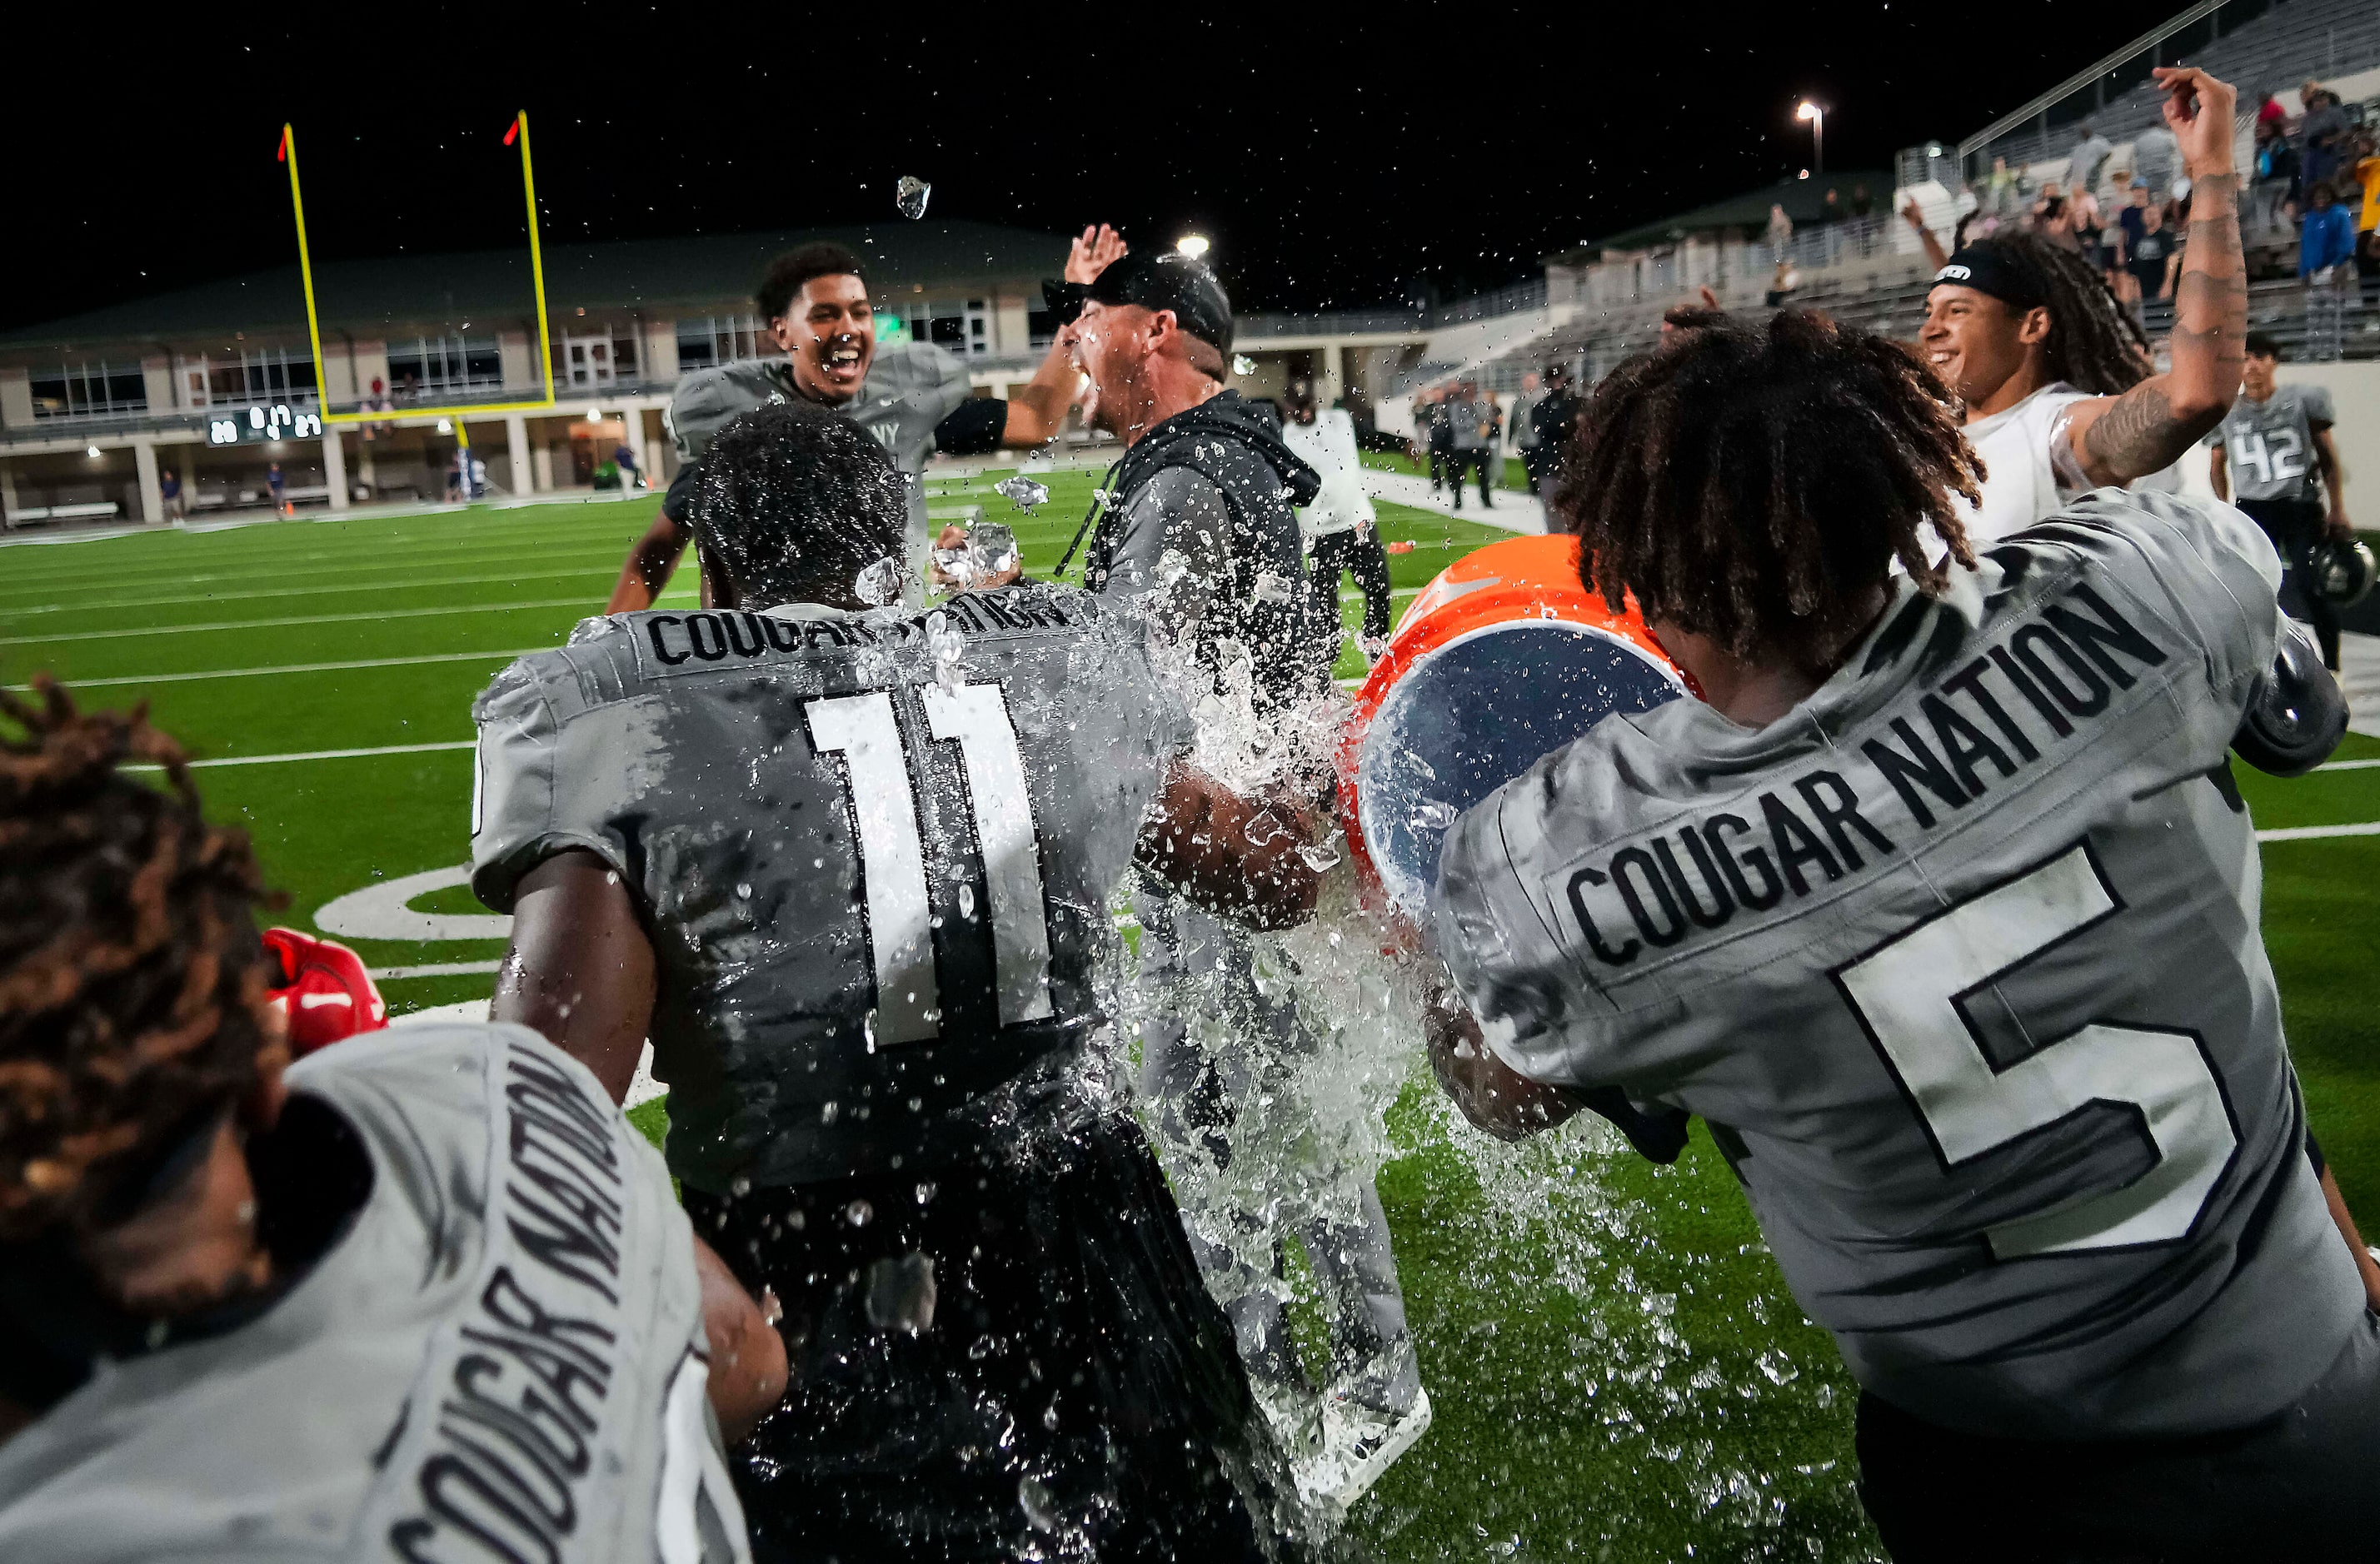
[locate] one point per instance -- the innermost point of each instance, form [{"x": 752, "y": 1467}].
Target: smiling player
[
  {"x": 2059, "y": 393},
  {"x": 911, "y": 396}
]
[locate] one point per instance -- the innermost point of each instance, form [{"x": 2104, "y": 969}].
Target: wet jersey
[
  {"x": 1960, "y": 961},
  {"x": 911, "y": 387},
  {"x": 2268, "y": 449},
  {"x": 501, "y": 1358},
  {"x": 876, "y": 895}
]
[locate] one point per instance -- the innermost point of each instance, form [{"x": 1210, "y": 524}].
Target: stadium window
[
  {"x": 964, "y": 329},
  {"x": 720, "y": 339},
  {"x": 1041, "y": 330},
  {"x": 442, "y": 366},
  {"x": 91, "y": 388}
]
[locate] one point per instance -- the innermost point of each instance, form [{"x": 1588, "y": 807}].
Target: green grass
[
  {"x": 1515, "y": 476},
  {"x": 1617, "y": 1370}
]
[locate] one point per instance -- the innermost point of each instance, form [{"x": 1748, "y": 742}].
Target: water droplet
[
  {"x": 859, "y": 1213},
  {"x": 910, "y": 195},
  {"x": 966, "y": 902},
  {"x": 1039, "y": 1505},
  {"x": 741, "y": 1187},
  {"x": 743, "y": 892}
]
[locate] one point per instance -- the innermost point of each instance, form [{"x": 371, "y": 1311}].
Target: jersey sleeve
[
  {"x": 529, "y": 795},
  {"x": 1534, "y": 1006},
  {"x": 706, "y": 400},
  {"x": 973, "y": 428},
  {"x": 2196, "y": 564},
  {"x": 680, "y": 496},
  {"x": 2319, "y": 410}
]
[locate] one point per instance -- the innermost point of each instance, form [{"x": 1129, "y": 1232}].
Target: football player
[
  {"x": 1940, "y": 908},
  {"x": 422, "y": 1295},
  {"x": 911, "y": 395},
  {"x": 2060, "y": 394},
  {"x": 850, "y": 872},
  {"x": 2273, "y": 447}
]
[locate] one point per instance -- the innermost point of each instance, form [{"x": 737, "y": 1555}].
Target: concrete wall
[
  {"x": 157, "y": 378},
  {"x": 521, "y": 368},
  {"x": 660, "y": 352},
  {"x": 15, "y": 397},
  {"x": 370, "y": 363}
]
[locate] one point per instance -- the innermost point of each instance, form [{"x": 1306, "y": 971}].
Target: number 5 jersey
[
  {"x": 874, "y": 852},
  {"x": 1960, "y": 962}
]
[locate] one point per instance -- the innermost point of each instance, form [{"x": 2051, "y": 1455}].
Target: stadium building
[{"x": 215, "y": 384}]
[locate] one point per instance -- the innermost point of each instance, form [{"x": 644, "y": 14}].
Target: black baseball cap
[
  {"x": 1154, "y": 280},
  {"x": 1981, "y": 266}
]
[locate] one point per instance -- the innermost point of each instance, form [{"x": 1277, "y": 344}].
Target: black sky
[{"x": 1334, "y": 154}]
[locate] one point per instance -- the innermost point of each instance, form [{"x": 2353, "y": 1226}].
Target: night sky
[{"x": 1333, "y": 161}]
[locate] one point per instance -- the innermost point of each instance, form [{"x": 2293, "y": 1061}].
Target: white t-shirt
[
  {"x": 1328, "y": 445},
  {"x": 2022, "y": 483}
]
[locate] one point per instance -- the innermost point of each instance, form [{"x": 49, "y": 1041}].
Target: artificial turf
[{"x": 1617, "y": 1369}]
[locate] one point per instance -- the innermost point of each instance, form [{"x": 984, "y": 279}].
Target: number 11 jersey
[
  {"x": 1960, "y": 962},
  {"x": 873, "y": 854}
]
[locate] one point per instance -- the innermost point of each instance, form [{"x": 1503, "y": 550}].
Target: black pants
[
  {"x": 2303, "y": 1483},
  {"x": 1462, "y": 460},
  {"x": 1540, "y": 462},
  {"x": 1358, "y": 551},
  {"x": 1442, "y": 467},
  {"x": 993, "y": 1358},
  {"x": 2296, "y": 528}
]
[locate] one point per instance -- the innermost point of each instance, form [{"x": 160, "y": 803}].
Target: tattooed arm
[{"x": 2118, "y": 439}]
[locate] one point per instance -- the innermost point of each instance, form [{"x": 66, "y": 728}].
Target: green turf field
[{"x": 1617, "y": 1370}]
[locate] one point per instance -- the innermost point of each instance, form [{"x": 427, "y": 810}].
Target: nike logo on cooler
[{"x": 316, "y": 1001}]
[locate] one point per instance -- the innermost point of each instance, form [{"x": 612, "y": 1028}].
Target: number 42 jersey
[
  {"x": 1960, "y": 962},
  {"x": 874, "y": 853}
]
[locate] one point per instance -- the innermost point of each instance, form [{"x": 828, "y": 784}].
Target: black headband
[{"x": 1982, "y": 268}]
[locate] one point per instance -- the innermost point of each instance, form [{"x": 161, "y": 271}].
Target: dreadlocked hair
[
  {"x": 2094, "y": 344},
  {"x": 1754, "y": 481},
  {"x": 131, "y": 977}
]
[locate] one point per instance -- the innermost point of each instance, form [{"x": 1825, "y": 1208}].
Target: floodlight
[{"x": 1192, "y": 245}]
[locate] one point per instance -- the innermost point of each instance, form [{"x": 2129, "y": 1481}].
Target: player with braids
[
  {"x": 132, "y": 985},
  {"x": 1937, "y": 902},
  {"x": 223, "y": 1279},
  {"x": 2061, "y": 394},
  {"x": 1764, "y": 522}
]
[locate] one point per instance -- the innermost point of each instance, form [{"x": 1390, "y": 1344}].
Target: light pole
[{"x": 1817, "y": 119}]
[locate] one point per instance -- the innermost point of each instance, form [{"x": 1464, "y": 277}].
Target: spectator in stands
[
  {"x": 2155, "y": 156},
  {"x": 1861, "y": 203},
  {"x": 2326, "y": 239},
  {"x": 2270, "y": 113},
  {"x": 1524, "y": 427},
  {"x": 2150, "y": 260},
  {"x": 1781, "y": 229},
  {"x": 2366, "y": 172},
  {"x": 2129, "y": 215},
  {"x": 2276, "y": 179},
  {"x": 169, "y": 489},
  {"x": 1783, "y": 285},
  {"x": 2049, "y": 217},
  {"x": 1999, "y": 193},
  {"x": 2086, "y": 162},
  {"x": 2322, "y": 135}
]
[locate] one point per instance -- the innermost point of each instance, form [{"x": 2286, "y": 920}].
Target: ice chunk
[
  {"x": 1023, "y": 491},
  {"x": 901, "y": 1293},
  {"x": 910, "y": 196},
  {"x": 1431, "y": 814},
  {"x": 879, "y": 584}
]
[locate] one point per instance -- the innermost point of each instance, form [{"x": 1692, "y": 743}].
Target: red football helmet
[{"x": 323, "y": 990}]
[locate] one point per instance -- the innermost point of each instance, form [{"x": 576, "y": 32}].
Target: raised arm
[
  {"x": 1232, "y": 856},
  {"x": 1915, "y": 215},
  {"x": 2119, "y": 438},
  {"x": 2334, "y": 484},
  {"x": 1037, "y": 414}
]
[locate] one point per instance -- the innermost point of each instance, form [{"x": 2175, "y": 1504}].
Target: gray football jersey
[
  {"x": 502, "y": 1359},
  {"x": 911, "y": 387},
  {"x": 1960, "y": 962},
  {"x": 2268, "y": 451},
  {"x": 876, "y": 895}
]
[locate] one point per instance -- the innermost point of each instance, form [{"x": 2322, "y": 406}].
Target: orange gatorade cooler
[{"x": 1505, "y": 657}]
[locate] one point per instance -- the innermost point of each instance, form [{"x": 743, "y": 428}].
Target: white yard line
[
  {"x": 435, "y": 969},
  {"x": 2311, "y": 833},
  {"x": 288, "y": 621},
  {"x": 300, "y": 668},
  {"x": 109, "y": 605},
  {"x": 319, "y": 755},
  {"x": 2349, "y": 765}
]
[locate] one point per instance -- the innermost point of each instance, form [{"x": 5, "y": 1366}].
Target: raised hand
[
  {"x": 2199, "y": 110},
  {"x": 1092, "y": 253}
]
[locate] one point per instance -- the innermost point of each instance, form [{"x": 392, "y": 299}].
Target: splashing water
[
  {"x": 910, "y": 196},
  {"x": 949, "y": 647}
]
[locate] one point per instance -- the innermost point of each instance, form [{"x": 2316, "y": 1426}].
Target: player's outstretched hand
[
  {"x": 2199, "y": 108},
  {"x": 1231, "y": 854},
  {"x": 1092, "y": 253}
]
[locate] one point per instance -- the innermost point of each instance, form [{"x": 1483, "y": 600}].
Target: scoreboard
[{"x": 276, "y": 420}]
